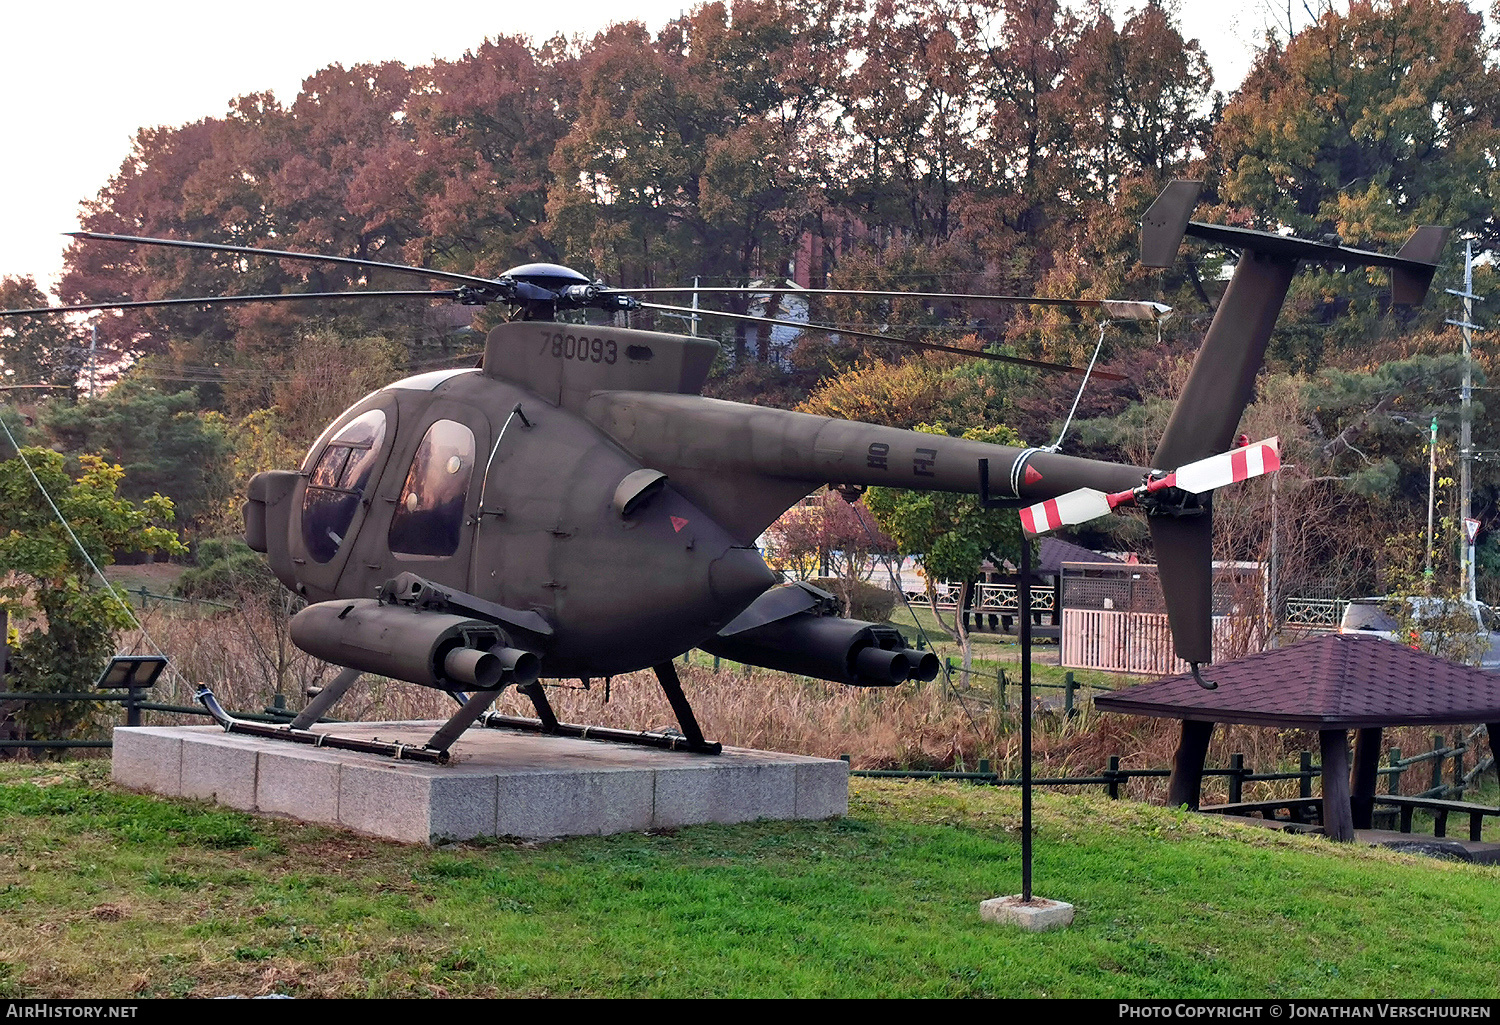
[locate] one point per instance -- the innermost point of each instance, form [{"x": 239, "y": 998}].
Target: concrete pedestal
[{"x": 498, "y": 784}]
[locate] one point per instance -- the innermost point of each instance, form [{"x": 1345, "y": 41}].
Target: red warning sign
[
  {"x": 678, "y": 523},
  {"x": 1032, "y": 476}
]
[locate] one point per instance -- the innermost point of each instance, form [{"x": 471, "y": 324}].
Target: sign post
[{"x": 1023, "y": 909}]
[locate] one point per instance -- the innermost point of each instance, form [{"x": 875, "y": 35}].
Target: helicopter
[{"x": 575, "y": 508}]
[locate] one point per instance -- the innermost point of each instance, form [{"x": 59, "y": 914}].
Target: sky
[{"x": 78, "y": 78}]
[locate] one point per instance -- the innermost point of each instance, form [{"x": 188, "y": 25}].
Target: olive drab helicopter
[{"x": 575, "y": 508}]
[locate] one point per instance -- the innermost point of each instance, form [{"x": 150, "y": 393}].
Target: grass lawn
[{"x": 106, "y": 893}]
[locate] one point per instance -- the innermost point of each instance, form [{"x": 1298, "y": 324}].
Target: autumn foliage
[{"x": 1006, "y": 146}]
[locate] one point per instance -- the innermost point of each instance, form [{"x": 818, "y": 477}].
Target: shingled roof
[
  {"x": 1054, "y": 551},
  {"x": 1338, "y": 681}
]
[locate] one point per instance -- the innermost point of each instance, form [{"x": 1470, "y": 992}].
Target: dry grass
[{"x": 241, "y": 656}]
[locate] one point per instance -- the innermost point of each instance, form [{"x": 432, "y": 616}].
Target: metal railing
[
  {"x": 1313, "y": 613},
  {"x": 996, "y": 687},
  {"x": 988, "y": 598},
  {"x": 134, "y": 701}
]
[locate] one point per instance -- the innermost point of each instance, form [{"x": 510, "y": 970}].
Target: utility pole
[
  {"x": 695, "y": 306},
  {"x": 93, "y": 348},
  {"x": 1274, "y": 626},
  {"x": 1431, "y": 489},
  {"x": 1468, "y": 583}
]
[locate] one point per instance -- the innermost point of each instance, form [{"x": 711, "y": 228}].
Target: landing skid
[
  {"x": 690, "y": 739},
  {"x": 473, "y": 711},
  {"x": 435, "y": 750}
]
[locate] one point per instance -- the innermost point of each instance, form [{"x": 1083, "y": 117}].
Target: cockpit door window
[{"x": 429, "y": 516}]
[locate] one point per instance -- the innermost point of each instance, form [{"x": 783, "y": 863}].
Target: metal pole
[
  {"x": 93, "y": 347},
  {"x": 1431, "y": 486},
  {"x": 695, "y": 306},
  {"x": 1468, "y": 581},
  {"x": 1024, "y": 596},
  {"x": 1464, "y": 426},
  {"x": 1275, "y": 588}
]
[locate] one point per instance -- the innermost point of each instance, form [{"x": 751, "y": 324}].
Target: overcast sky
[{"x": 78, "y": 78}]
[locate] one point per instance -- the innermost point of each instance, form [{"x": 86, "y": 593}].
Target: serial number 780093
[{"x": 585, "y": 350}]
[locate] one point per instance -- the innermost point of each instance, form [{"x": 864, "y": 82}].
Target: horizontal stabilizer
[
  {"x": 1170, "y": 217},
  {"x": 1411, "y": 272},
  {"x": 1226, "y": 468}
]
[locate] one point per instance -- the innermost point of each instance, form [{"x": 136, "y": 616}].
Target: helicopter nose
[{"x": 738, "y": 577}]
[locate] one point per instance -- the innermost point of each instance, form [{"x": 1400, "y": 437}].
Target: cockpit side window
[
  {"x": 429, "y": 515},
  {"x": 337, "y": 483}
]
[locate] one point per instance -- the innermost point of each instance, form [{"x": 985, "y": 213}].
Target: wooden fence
[{"x": 1237, "y": 773}]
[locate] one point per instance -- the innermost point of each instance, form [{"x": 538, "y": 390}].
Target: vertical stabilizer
[
  {"x": 1222, "y": 381},
  {"x": 1410, "y": 280},
  {"x": 1166, "y": 220}
]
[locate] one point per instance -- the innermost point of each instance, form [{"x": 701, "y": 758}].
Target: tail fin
[
  {"x": 1410, "y": 279},
  {"x": 1222, "y": 381},
  {"x": 1184, "y": 561},
  {"x": 1165, "y": 221}
]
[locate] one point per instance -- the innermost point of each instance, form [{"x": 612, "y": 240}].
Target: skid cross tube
[
  {"x": 666, "y": 675},
  {"x": 690, "y": 739}
]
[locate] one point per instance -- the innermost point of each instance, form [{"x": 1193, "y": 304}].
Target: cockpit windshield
[{"x": 337, "y": 483}]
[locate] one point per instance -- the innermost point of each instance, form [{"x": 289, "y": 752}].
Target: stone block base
[{"x": 498, "y": 783}]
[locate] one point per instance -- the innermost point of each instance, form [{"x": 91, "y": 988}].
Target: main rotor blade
[
  {"x": 826, "y": 329},
  {"x": 446, "y": 293},
  {"x": 280, "y": 254},
  {"x": 1123, "y": 309}
]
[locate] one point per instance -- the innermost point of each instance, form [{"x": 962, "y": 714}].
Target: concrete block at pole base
[{"x": 1037, "y": 915}]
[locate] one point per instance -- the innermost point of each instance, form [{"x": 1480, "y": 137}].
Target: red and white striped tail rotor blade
[
  {"x": 1252, "y": 460},
  {"x": 1075, "y": 507}
]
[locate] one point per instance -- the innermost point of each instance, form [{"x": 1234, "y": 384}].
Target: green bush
[{"x": 862, "y": 599}]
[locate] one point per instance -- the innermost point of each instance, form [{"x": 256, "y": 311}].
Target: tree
[
  {"x": 1137, "y": 98},
  {"x": 908, "y": 95},
  {"x": 921, "y": 389},
  {"x": 67, "y": 625},
  {"x": 162, "y": 440},
  {"x": 35, "y": 350},
  {"x": 949, "y": 535},
  {"x": 1368, "y": 122},
  {"x": 332, "y": 173},
  {"x": 486, "y": 126},
  {"x": 832, "y": 537},
  {"x": 683, "y": 158}
]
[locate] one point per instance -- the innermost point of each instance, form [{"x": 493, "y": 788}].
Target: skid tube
[
  {"x": 667, "y": 741},
  {"x": 406, "y": 752}
]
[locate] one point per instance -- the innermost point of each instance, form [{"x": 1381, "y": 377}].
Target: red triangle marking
[
  {"x": 678, "y": 523},
  {"x": 1032, "y": 476}
]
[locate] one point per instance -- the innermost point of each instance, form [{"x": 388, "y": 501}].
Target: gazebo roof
[{"x": 1338, "y": 681}]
